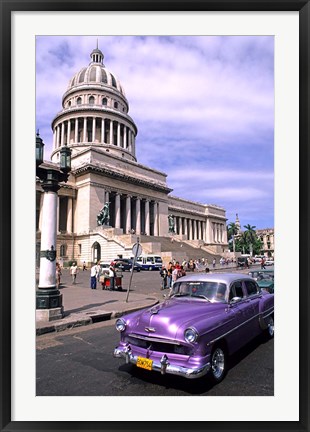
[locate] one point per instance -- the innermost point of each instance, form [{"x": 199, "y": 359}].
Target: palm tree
[{"x": 250, "y": 236}]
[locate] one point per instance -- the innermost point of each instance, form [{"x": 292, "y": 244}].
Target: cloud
[{"x": 204, "y": 108}]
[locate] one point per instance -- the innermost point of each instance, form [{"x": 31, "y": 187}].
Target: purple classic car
[{"x": 206, "y": 318}]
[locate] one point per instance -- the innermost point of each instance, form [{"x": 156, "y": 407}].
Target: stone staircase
[{"x": 177, "y": 249}]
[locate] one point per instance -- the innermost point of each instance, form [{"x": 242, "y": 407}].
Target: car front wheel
[{"x": 218, "y": 364}]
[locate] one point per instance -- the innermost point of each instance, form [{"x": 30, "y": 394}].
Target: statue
[
  {"x": 103, "y": 217},
  {"x": 171, "y": 223}
]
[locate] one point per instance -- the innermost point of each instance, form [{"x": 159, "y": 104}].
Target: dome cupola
[{"x": 95, "y": 113}]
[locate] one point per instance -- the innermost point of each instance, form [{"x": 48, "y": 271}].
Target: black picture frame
[{"x": 6, "y": 9}]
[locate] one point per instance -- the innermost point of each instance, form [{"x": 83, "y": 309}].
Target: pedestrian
[
  {"x": 58, "y": 275},
  {"x": 112, "y": 275},
  {"x": 98, "y": 270},
  {"x": 93, "y": 276},
  {"x": 262, "y": 264},
  {"x": 176, "y": 273},
  {"x": 169, "y": 274},
  {"x": 73, "y": 272},
  {"x": 164, "y": 275},
  {"x": 84, "y": 265}
]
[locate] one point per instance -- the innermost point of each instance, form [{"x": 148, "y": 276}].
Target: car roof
[{"x": 226, "y": 278}]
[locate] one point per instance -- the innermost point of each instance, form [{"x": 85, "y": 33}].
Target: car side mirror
[{"x": 235, "y": 300}]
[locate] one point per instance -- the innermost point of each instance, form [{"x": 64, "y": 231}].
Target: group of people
[{"x": 171, "y": 273}]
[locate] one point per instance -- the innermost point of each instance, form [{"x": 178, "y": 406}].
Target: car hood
[{"x": 170, "y": 318}]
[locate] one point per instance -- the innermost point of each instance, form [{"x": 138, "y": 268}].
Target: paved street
[{"x": 80, "y": 361}]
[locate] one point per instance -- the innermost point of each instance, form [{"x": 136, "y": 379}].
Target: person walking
[
  {"x": 213, "y": 263},
  {"x": 169, "y": 274},
  {"x": 84, "y": 265},
  {"x": 93, "y": 276},
  {"x": 164, "y": 275},
  {"x": 73, "y": 272},
  {"x": 262, "y": 264}
]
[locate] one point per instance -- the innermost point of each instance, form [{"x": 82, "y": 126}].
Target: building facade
[{"x": 94, "y": 123}]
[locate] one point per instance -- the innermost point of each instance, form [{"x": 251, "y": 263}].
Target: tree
[{"x": 252, "y": 243}]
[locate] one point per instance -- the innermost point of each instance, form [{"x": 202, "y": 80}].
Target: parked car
[
  {"x": 207, "y": 318},
  {"x": 125, "y": 264},
  {"x": 264, "y": 279}
]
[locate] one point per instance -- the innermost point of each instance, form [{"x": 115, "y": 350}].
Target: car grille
[{"x": 157, "y": 346}]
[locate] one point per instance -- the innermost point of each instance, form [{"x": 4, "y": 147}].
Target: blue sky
[{"x": 204, "y": 108}]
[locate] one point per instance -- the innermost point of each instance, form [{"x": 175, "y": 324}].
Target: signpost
[{"x": 136, "y": 251}]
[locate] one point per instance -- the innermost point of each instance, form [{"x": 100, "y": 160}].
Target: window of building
[
  {"x": 69, "y": 104},
  {"x": 91, "y": 100},
  {"x": 105, "y": 101},
  {"x": 115, "y": 105},
  {"x": 80, "y": 248},
  {"x": 63, "y": 250},
  {"x": 104, "y": 76},
  {"x": 79, "y": 101},
  {"x": 113, "y": 81},
  {"x": 82, "y": 75}
]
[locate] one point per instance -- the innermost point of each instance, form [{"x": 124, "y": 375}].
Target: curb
[{"x": 87, "y": 318}]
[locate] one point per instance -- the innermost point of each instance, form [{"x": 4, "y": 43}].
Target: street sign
[{"x": 136, "y": 250}]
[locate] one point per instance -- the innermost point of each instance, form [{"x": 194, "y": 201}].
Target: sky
[{"x": 203, "y": 105}]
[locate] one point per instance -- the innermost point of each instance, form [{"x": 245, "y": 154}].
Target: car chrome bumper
[{"x": 164, "y": 366}]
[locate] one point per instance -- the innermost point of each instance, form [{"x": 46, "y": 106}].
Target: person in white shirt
[{"x": 93, "y": 276}]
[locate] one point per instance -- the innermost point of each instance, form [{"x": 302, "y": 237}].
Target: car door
[
  {"x": 253, "y": 297},
  {"x": 243, "y": 311}
]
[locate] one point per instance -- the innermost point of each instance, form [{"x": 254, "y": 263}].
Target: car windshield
[{"x": 212, "y": 291}]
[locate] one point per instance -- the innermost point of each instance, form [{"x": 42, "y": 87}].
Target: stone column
[
  {"x": 147, "y": 217},
  {"x": 76, "y": 132},
  {"x": 57, "y": 136},
  {"x": 204, "y": 231},
  {"x": 94, "y": 130},
  {"x": 62, "y": 133},
  {"x": 190, "y": 233},
  {"x": 185, "y": 228},
  {"x": 155, "y": 219},
  {"x": 125, "y": 137},
  {"x": 107, "y": 196},
  {"x": 47, "y": 277},
  {"x": 128, "y": 214},
  {"x": 69, "y": 132},
  {"x": 111, "y": 132},
  {"x": 57, "y": 214},
  {"x": 102, "y": 130},
  {"x": 85, "y": 130},
  {"x": 117, "y": 210},
  {"x": 118, "y": 134},
  {"x": 69, "y": 215},
  {"x": 138, "y": 216},
  {"x": 194, "y": 230},
  {"x": 40, "y": 214}
]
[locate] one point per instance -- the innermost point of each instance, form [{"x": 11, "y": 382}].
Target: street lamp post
[{"x": 48, "y": 298}]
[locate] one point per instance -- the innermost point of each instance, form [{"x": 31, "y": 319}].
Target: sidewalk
[{"x": 84, "y": 306}]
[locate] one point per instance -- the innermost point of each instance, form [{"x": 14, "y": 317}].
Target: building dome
[
  {"x": 95, "y": 74},
  {"x": 95, "y": 113}
]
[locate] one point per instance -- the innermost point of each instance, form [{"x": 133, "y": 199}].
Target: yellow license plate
[{"x": 144, "y": 363}]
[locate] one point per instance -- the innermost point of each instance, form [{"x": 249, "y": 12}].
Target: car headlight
[
  {"x": 190, "y": 335},
  {"x": 120, "y": 325}
]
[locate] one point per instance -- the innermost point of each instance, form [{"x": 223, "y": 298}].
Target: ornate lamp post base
[{"x": 49, "y": 305}]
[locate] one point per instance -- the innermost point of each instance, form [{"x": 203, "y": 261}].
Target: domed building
[{"x": 94, "y": 123}]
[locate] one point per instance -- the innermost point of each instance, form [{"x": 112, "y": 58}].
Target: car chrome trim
[
  {"x": 152, "y": 339},
  {"x": 164, "y": 365}
]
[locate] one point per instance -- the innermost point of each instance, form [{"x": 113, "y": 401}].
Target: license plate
[{"x": 144, "y": 363}]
